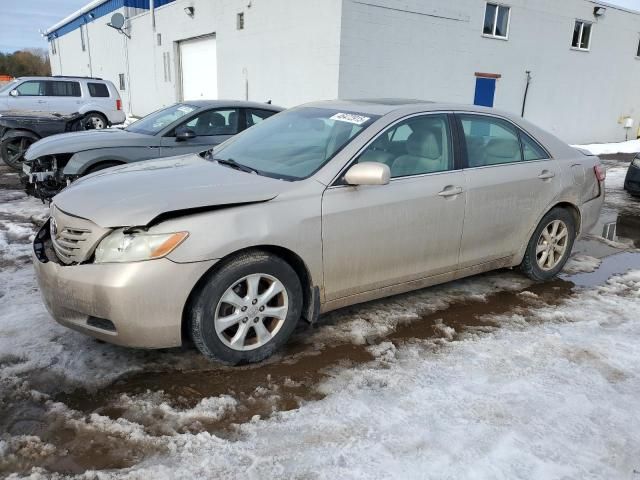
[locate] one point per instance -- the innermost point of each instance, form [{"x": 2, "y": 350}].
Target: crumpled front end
[
  {"x": 136, "y": 304},
  {"x": 43, "y": 177}
]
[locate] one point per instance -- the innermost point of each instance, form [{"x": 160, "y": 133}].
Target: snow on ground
[
  {"x": 552, "y": 394},
  {"x": 581, "y": 264},
  {"x": 631, "y": 146}
]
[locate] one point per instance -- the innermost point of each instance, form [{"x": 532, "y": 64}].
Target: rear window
[
  {"x": 98, "y": 90},
  {"x": 63, "y": 89}
]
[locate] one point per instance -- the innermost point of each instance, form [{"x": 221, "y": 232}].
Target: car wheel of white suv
[
  {"x": 247, "y": 309},
  {"x": 97, "y": 121}
]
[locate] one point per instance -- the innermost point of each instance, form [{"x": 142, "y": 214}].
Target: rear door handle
[
  {"x": 546, "y": 175},
  {"x": 450, "y": 191}
]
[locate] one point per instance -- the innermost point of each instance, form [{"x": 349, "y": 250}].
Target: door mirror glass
[
  {"x": 13, "y": 93},
  {"x": 368, "y": 173},
  {"x": 184, "y": 133}
]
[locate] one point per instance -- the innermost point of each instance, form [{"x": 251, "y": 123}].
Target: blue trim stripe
[{"x": 102, "y": 10}]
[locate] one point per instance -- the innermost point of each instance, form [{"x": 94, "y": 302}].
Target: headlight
[
  {"x": 636, "y": 162},
  {"x": 134, "y": 247}
]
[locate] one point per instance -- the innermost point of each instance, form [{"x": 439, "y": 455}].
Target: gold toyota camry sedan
[{"x": 322, "y": 206}]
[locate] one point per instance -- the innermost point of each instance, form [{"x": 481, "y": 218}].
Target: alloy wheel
[
  {"x": 251, "y": 312},
  {"x": 552, "y": 245}
]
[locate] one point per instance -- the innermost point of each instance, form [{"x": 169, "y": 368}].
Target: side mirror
[
  {"x": 368, "y": 173},
  {"x": 184, "y": 133},
  {"x": 14, "y": 93}
]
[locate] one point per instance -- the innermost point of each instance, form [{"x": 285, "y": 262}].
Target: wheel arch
[
  {"x": 564, "y": 204},
  {"x": 310, "y": 300},
  {"x": 18, "y": 132}
]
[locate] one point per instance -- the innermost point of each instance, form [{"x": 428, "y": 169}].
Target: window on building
[
  {"x": 84, "y": 46},
  {"x": 240, "y": 21},
  {"x": 53, "y": 46},
  {"x": 638, "y": 51},
  {"x": 31, "y": 89},
  {"x": 166, "y": 60},
  {"x": 496, "y": 20},
  {"x": 159, "y": 39},
  {"x": 98, "y": 90},
  {"x": 581, "y": 35},
  {"x": 416, "y": 146},
  {"x": 63, "y": 89},
  {"x": 121, "y": 79}
]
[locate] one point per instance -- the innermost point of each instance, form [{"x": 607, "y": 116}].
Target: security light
[
  {"x": 92, "y": 15},
  {"x": 599, "y": 11},
  {"x": 189, "y": 11}
]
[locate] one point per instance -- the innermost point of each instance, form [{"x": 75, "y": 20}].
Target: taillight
[
  {"x": 118, "y": 104},
  {"x": 600, "y": 172}
]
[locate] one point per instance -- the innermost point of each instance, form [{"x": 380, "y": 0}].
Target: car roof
[
  {"x": 384, "y": 106},
  {"x": 231, "y": 103},
  {"x": 63, "y": 77}
]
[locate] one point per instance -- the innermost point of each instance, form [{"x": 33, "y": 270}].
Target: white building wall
[
  {"x": 405, "y": 50},
  {"x": 288, "y": 51}
]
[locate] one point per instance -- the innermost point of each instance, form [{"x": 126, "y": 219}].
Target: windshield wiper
[{"x": 230, "y": 162}]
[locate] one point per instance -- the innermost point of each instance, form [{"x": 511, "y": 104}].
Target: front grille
[{"x": 74, "y": 239}]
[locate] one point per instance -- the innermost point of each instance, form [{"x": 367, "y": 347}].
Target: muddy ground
[{"x": 71, "y": 405}]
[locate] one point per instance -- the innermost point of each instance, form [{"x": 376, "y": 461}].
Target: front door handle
[
  {"x": 546, "y": 175},
  {"x": 450, "y": 191}
]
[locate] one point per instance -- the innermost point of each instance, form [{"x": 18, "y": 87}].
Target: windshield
[
  {"x": 294, "y": 144},
  {"x": 156, "y": 121},
  {"x": 9, "y": 86}
]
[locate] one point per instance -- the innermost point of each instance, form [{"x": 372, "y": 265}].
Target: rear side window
[
  {"x": 256, "y": 116},
  {"x": 32, "y": 88},
  {"x": 98, "y": 90},
  {"x": 530, "y": 148},
  {"x": 63, "y": 89},
  {"x": 490, "y": 141}
]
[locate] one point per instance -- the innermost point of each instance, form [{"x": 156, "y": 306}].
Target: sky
[{"x": 21, "y": 20}]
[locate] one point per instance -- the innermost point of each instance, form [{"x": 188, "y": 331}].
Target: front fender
[{"x": 83, "y": 161}]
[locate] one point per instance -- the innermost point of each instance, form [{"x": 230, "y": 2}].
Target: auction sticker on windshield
[{"x": 350, "y": 117}]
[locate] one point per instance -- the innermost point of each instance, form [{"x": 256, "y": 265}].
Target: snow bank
[{"x": 631, "y": 146}]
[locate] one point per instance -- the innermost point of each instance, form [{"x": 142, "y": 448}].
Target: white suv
[{"x": 98, "y": 99}]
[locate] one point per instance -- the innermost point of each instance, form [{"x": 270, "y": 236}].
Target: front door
[
  {"x": 377, "y": 236},
  {"x": 509, "y": 180},
  {"x": 211, "y": 128},
  {"x": 31, "y": 96}
]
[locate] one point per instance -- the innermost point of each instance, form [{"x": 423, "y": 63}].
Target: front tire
[
  {"x": 247, "y": 309},
  {"x": 12, "y": 150},
  {"x": 550, "y": 245}
]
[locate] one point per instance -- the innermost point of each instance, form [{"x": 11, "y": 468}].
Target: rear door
[
  {"x": 510, "y": 180},
  {"x": 253, "y": 116},
  {"x": 211, "y": 128},
  {"x": 63, "y": 96},
  {"x": 410, "y": 229},
  {"x": 31, "y": 96}
]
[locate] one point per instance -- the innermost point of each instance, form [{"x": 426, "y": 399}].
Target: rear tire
[
  {"x": 550, "y": 245},
  {"x": 246, "y": 310},
  {"x": 96, "y": 120}
]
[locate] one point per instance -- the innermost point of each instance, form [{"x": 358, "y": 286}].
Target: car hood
[
  {"x": 136, "y": 194},
  {"x": 88, "y": 140}
]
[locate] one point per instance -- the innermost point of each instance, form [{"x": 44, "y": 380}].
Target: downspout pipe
[
  {"x": 526, "y": 91},
  {"x": 153, "y": 14}
]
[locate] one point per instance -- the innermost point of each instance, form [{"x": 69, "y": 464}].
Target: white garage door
[{"x": 199, "y": 69}]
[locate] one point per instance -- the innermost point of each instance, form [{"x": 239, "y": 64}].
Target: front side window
[
  {"x": 98, "y": 90},
  {"x": 581, "y": 35},
  {"x": 490, "y": 141},
  {"x": 156, "y": 121},
  {"x": 496, "y": 20},
  {"x": 415, "y": 146},
  {"x": 31, "y": 88},
  {"x": 296, "y": 143},
  {"x": 215, "y": 122},
  {"x": 63, "y": 89}
]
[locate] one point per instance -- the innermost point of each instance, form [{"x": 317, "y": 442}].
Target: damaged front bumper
[
  {"x": 43, "y": 178},
  {"x": 137, "y": 304}
]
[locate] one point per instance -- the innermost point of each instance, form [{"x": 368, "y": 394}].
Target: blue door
[{"x": 485, "y": 91}]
